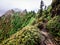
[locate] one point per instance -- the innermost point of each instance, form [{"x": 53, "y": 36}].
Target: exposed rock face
[
  {"x": 55, "y": 7},
  {"x": 9, "y": 12}
]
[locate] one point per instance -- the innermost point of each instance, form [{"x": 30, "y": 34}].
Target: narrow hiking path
[{"x": 49, "y": 40}]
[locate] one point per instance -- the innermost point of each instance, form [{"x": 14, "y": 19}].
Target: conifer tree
[{"x": 41, "y": 8}]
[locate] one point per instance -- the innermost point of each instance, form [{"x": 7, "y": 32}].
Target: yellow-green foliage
[
  {"x": 29, "y": 35},
  {"x": 54, "y": 25},
  {"x": 40, "y": 19},
  {"x": 11, "y": 24}
]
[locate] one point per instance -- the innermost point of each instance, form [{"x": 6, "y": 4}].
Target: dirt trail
[{"x": 48, "y": 37}]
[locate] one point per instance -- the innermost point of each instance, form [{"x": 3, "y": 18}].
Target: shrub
[
  {"x": 54, "y": 26},
  {"x": 29, "y": 35}
]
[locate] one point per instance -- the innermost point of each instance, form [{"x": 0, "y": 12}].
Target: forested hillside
[{"x": 31, "y": 28}]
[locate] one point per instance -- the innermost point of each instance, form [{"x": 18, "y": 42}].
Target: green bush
[
  {"x": 11, "y": 24},
  {"x": 1, "y": 35},
  {"x": 29, "y": 35},
  {"x": 54, "y": 26}
]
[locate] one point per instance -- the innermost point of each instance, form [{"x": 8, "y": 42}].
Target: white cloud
[{"x": 22, "y": 4}]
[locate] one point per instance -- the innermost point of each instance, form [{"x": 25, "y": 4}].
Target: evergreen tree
[
  {"x": 41, "y": 8},
  {"x": 46, "y": 12}
]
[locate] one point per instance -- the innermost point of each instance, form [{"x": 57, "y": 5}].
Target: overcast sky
[{"x": 21, "y": 4}]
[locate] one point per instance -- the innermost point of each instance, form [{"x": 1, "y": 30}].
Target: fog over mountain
[{"x": 21, "y": 4}]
